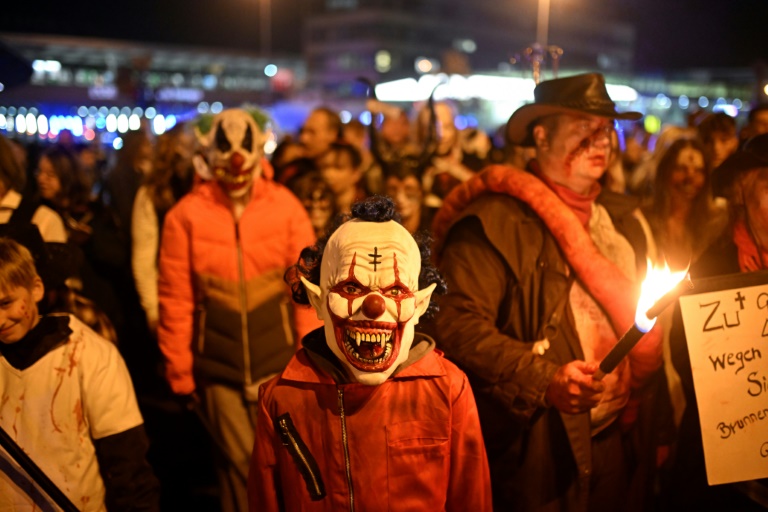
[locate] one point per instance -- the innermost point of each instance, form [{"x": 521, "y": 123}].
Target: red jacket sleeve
[
  {"x": 176, "y": 300},
  {"x": 263, "y": 481},
  {"x": 470, "y": 484}
]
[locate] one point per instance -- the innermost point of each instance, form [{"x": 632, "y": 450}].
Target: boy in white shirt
[{"x": 67, "y": 400}]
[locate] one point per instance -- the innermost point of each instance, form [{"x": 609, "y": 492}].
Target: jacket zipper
[
  {"x": 345, "y": 440},
  {"x": 243, "y": 307},
  {"x": 201, "y": 330},
  {"x": 287, "y": 432}
]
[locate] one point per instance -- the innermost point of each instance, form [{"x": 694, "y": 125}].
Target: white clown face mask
[
  {"x": 235, "y": 149},
  {"x": 368, "y": 297}
]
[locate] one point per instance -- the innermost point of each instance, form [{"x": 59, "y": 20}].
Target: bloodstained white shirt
[{"x": 77, "y": 392}]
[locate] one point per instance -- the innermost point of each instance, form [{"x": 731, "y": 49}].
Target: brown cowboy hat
[
  {"x": 578, "y": 94},
  {"x": 752, "y": 155}
]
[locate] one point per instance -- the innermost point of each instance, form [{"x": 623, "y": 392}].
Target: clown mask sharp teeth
[
  {"x": 357, "y": 338},
  {"x": 382, "y": 340}
]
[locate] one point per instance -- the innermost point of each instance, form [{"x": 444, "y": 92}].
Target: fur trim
[{"x": 604, "y": 281}]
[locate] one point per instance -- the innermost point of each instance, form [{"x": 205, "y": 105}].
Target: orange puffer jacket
[
  {"x": 412, "y": 443},
  {"x": 224, "y": 307}
]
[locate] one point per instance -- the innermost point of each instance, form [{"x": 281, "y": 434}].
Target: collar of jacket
[{"x": 315, "y": 363}]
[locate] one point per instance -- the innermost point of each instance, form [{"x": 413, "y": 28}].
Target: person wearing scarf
[{"x": 543, "y": 280}]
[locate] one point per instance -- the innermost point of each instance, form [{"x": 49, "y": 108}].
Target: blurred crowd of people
[{"x": 111, "y": 210}]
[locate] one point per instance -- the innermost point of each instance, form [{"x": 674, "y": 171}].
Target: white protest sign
[{"x": 727, "y": 334}]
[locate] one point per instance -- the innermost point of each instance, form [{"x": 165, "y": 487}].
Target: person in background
[
  {"x": 226, "y": 320},
  {"x": 641, "y": 180},
  {"x": 684, "y": 220},
  {"x": 318, "y": 199},
  {"x": 91, "y": 227},
  {"x": 288, "y": 151},
  {"x": 447, "y": 167},
  {"x": 743, "y": 247},
  {"x": 321, "y": 129},
  {"x": 134, "y": 163},
  {"x": 395, "y": 132},
  {"x": 80, "y": 424},
  {"x": 16, "y": 208},
  {"x": 355, "y": 133},
  {"x": 403, "y": 184},
  {"x": 170, "y": 179},
  {"x": 475, "y": 147},
  {"x": 91, "y": 160},
  {"x": 683, "y": 216},
  {"x": 340, "y": 167},
  {"x": 757, "y": 122},
  {"x": 718, "y": 133}
]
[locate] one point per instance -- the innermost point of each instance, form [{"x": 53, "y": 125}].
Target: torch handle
[{"x": 620, "y": 350}]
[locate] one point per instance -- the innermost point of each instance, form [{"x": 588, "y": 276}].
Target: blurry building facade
[{"x": 385, "y": 40}]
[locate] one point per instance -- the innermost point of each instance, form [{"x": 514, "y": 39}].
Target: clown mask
[
  {"x": 368, "y": 297},
  {"x": 235, "y": 149}
]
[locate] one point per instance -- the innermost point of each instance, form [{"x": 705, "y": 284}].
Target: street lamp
[
  {"x": 265, "y": 16},
  {"x": 542, "y": 26},
  {"x": 537, "y": 52}
]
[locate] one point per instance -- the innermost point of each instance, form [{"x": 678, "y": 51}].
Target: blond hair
[{"x": 17, "y": 267}]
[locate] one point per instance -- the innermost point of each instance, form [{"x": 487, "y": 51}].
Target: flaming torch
[{"x": 660, "y": 289}]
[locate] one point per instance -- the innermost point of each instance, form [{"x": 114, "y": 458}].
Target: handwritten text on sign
[{"x": 727, "y": 333}]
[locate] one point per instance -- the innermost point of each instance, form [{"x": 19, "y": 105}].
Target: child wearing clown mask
[{"x": 368, "y": 415}]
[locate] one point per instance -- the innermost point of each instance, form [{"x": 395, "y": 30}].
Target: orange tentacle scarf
[{"x": 604, "y": 281}]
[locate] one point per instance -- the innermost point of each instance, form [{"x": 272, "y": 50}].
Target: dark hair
[
  {"x": 75, "y": 189},
  {"x": 12, "y": 173},
  {"x": 700, "y": 210},
  {"x": 333, "y": 120},
  {"x": 133, "y": 143},
  {"x": 373, "y": 209},
  {"x": 718, "y": 122},
  {"x": 344, "y": 148},
  {"x": 172, "y": 173},
  {"x": 312, "y": 186}
]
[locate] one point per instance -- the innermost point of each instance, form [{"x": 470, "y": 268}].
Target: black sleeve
[{"x": 129, "y": 480}]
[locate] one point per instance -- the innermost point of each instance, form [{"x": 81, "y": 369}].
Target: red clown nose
[
  {"x": 236, "y": 162},
  {"x": 374, "y": 306}
]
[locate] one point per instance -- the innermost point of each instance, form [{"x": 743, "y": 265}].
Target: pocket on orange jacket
[{"x": 418, "y": 464}]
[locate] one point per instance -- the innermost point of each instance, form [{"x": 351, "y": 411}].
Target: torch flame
[{"x": 658, "y": 281}]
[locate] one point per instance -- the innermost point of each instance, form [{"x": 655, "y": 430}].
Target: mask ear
[
  {"x": 314, "y": 294},
  {"x": 422, "y": 300}
]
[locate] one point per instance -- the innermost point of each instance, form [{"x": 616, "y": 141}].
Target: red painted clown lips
[
  {"x": 369, "y": 346},
  {"x": 234, "y": 176}
]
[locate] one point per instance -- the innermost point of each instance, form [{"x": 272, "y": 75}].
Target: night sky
[{"x": 671, "y": 34}]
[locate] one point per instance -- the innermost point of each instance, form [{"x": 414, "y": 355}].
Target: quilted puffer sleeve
[{"x": 176, "y": 300}]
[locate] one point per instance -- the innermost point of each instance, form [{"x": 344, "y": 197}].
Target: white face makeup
[
  {"x": 235, "y": 151},
  {"x": 368, "y": 297}
]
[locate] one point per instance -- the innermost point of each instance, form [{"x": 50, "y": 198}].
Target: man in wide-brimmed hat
[{"x": 542, "y": 282}]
